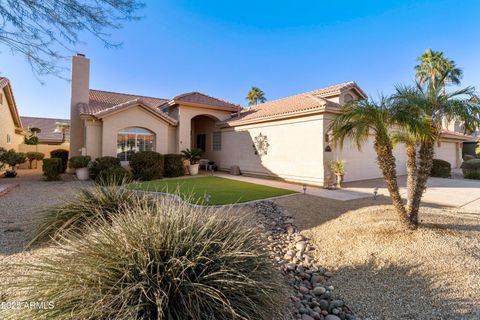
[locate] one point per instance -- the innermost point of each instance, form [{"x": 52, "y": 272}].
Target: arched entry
[{"x": 203, "y": 130}]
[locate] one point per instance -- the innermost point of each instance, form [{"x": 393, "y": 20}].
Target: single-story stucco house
[
  {"x": 286, "y": 139},
  {"x": 11, "y": 131}
]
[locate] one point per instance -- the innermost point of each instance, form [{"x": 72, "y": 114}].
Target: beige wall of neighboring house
[{"x": 10, "y": 126}]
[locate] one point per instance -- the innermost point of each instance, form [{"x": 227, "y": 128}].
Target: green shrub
[
  {"x": 62, "y": 154},
  {"x": 146, "y": 165},
  {"x": 173, "y": 165},
  {"x": 168, "y": 261},
  {"x": 52, "y": 168},
  {"x": 103, "y": 163},
  {"x": 441, "y": 169},
  {"x": 33, "y": 155},
  {"x": 79, "y": 162},
  {"x": 468, "y": 157},
  {"x": 12, "y": 158},
  {"x": 471, "y": 169},
  {"x": 113, "y": 176}
]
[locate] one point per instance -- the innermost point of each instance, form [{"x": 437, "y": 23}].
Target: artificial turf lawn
[{"x": 221, "y": 190}]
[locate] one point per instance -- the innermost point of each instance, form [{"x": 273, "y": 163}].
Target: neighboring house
[
  {"x": 11, "y": 132},
  {"x": 54, "y": 134},
  {"x": 286, "y": 138},
  {"x": 50, "y": 130}
]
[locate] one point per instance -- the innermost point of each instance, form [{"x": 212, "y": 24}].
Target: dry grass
[{"x": 385, "y": 272}]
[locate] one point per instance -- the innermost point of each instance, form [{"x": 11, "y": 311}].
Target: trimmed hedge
[
  {"x": 441, "y": 169},
  {"x": 113, "y": 176},
  {"x": 52, "y": 168},
  {"x": 103, "y": 163},
  {"x": 147, "y": 165},
  {"x": 61, "y": 154},
  {"x": 33, "y": 155},
  {"x": 471, "y": 169},
  {"x": 173, "y": 165},
  {"x": 79, "y": 162}
]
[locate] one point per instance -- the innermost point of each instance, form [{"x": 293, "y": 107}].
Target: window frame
[{"x": 138, "y": 136}]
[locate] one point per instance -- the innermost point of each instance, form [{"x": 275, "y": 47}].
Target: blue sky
[{"x": 223, "y": 48}]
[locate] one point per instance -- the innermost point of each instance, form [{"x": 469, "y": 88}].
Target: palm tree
[
  {"x": 428, "y": 102},
  {"x": 356, "y": 121},
  {"x": 434, "y": 65},
  {"x": 255, "y": 96}
]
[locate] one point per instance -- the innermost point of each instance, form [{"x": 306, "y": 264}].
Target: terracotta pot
[{"x": 82, "y": 174}]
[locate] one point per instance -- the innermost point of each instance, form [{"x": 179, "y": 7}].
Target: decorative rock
[
  {"x": 332, "y": 317},
  {"x": 298, "y": 238},
  {"x": 303, "y": 290},
  {"x": 301, "y": 245},
  {"x": 323, "y": 304},
  {"x": 307, "y": 317},
  {"x": 318, "y": 291},
  {"x": 328, "y": 274},
  {"x": 291, "y": 266}
]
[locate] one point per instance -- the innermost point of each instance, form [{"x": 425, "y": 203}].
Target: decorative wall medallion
[{"x": 260, "y": 144}]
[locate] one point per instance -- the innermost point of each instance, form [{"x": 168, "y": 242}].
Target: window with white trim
[
  {"x": 217, "y": 141},
  {"x": 133, "y": 139}
]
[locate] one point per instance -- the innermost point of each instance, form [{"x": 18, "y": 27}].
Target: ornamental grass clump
[
  {"x": 86, "y": 207},
  {"x": 166, "y": 261}
]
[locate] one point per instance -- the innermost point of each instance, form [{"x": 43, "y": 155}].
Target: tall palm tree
[
  {"x": 434, "y": 65},
  {"x": 356, "y": 121},
  {"x": 428, "y": 101},
  {"x": 255, "y": 96}
]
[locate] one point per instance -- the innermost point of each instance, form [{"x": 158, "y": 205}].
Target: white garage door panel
[
  {"x": 362, "y": 165},
  {"x": 447, "y": 151}
]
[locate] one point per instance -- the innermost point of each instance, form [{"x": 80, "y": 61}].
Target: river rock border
[{"x": 311, "y": 298}]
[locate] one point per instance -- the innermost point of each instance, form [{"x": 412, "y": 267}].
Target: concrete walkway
[{"x": 459, "y": 193}]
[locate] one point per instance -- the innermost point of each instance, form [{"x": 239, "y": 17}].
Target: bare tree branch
[{"x": 47, "y": 31}]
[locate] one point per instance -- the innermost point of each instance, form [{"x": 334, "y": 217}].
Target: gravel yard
[{"x": 383, "y": 272}]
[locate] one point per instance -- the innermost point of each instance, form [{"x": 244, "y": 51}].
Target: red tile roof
[
  {"x": 139, "y": 101},
  {"x": 47, "y": 127},
  {"x": 201, "y": 98},
  {"x": 103, "y": 100},
  {"x": 303, "y": 102},
  {"x": 447, "y": 134}
]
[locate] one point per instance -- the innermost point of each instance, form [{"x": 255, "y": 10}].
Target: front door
[{"x": 201, "y": 141}]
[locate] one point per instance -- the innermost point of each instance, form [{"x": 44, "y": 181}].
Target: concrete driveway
[{"x": 459, "y": 193}]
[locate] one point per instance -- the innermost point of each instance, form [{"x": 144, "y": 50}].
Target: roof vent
[{"x": 80, "y": 55}]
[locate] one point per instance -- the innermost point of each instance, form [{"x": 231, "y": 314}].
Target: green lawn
[{"x": 221, "y": 190}]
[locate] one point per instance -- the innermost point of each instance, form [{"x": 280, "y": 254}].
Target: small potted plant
[
  {"x": 338, "y": 169},
  {"x": 13, "y": 159},
  {"x": 80, "y": 164},
  {"x": 193, "y": 156}
]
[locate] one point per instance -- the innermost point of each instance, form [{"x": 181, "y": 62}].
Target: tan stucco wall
[
  {"x": 80, "y": 91},
  {"x": 185, "y": 115},
  {"x": 205, "y": 125},
  {"x": 93, "y": 138},
  {"x": 295, "y": 151},
  {"x": 133, "y": 117},
  {"x": 7, "y": 126},
  {"x": 43, "y": 148}
]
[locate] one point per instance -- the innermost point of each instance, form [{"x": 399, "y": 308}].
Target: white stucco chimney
[{"x": 79, "y": 94}]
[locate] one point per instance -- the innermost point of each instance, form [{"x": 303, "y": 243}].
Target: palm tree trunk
[
  {"x": 411, "y": 173},
  {"x": 425, "y": 155},
  {"x": 386, "y": 162}
]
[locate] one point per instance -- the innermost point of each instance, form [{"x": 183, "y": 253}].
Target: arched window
[{"x": 133, "y": 139}]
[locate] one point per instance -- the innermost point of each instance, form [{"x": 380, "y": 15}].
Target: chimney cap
[{"x": 80, "y": 55}]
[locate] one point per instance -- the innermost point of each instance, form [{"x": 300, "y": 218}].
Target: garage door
[{"x": 447, "y": 151}]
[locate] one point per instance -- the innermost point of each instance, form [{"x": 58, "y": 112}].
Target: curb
[{"x": 8, "y": 189}]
